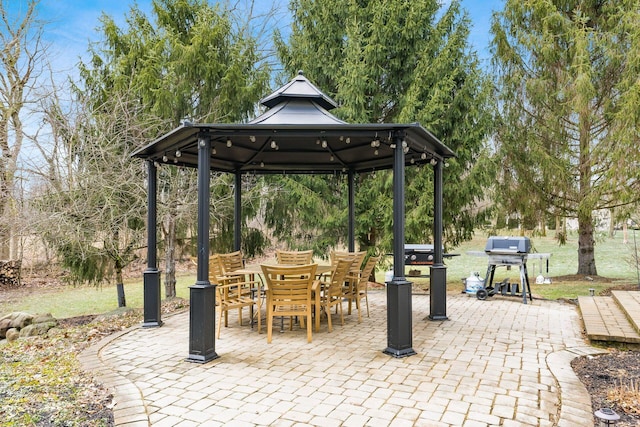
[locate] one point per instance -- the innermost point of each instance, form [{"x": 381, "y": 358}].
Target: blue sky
[{"x": 72, "y": 24}]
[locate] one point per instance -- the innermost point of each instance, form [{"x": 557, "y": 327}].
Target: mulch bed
[{"x": 605, "y": 376}]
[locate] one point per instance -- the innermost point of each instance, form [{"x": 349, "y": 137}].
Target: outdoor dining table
[{"x": 252, "y": 269}]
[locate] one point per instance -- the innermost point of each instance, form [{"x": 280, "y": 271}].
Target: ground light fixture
[{"x": 607, "y": 417}]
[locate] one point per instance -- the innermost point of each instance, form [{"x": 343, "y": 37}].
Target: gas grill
[
  {"x": 420, "y": 254},
  {"x": 506, "y": 251},
  {"x": 415, "y": 254}
]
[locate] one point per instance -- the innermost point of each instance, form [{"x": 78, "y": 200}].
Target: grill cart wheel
[{"x": 482, "y": 294}]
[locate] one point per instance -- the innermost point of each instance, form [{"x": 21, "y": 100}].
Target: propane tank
[{"x": 473, "y": 283}]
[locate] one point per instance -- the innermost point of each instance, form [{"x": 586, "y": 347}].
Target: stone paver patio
[{"x": 494, "y": 362}]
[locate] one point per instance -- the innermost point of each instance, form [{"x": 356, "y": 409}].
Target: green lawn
[{"x": 612, "y": 260}]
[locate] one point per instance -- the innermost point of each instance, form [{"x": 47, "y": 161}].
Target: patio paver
[{"x": 494, "y": 362}]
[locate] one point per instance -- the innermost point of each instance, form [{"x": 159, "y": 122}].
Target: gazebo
[{"x": 297, "y": 134}]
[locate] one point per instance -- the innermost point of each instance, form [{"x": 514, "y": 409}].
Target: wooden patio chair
[
  {"x": 294, "y": 257},
  {"x": 362, "y": 286},
  {"x": 232, "y": 293},
  {"x": 231, "y": 262},
  {"x": 351, "y": 281},
  {"x": 330, "y": 294},
  {"x": 288, "y": 290}
]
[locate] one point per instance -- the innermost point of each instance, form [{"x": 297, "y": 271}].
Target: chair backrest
[
  {"x": 289, "y": 284},
  {"x": 342, "y": 268},
  {"x": 357, "y": 256},
  {"x": 294, "y": 257},
  {"x": 215, "y": 270},
  {"x": 367, "y": 270},
  {"x": 231, "y": 261}
]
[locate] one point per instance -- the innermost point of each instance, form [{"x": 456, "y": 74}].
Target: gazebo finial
[{"x": 299, "y": 88}]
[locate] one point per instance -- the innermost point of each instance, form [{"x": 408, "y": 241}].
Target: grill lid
[{"x": 507, "y": 245}]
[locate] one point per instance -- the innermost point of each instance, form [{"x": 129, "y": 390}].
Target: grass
[
  {"x": 82, "y": 300},
  {"x": 612, "y": 261}
]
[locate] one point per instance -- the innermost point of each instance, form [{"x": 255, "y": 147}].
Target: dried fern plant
[{"x": 626, "y": 395}]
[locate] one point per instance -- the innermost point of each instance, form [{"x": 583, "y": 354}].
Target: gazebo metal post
[
  {"x": 152, "y": 296},
  {"x": 438, "y": 274},
  {"x": 202, "y": 295},
  {"x": 237, "y": 209},
  {"x": 399, "y": 312},
  {"x": 352, "y": 210}
]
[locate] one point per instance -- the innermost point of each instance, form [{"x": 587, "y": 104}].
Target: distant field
[{"x": 613, "y": 261}]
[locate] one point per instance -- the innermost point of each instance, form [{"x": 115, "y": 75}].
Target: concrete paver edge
[
  {"x": 569, "y": 385},
  {"x": 91, "y": 361}
]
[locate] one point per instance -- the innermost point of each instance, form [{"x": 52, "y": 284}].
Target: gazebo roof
[{"x": 296, "y": 134}]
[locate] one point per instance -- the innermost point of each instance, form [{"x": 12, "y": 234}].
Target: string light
[
  {"x": 229, "y": 143},
  {"x": 178, "y": 153},
  {"x": 252, "y": 138}
]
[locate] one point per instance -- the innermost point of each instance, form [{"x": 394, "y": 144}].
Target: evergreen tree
[
  {"x": 390, "y": 61},
  {"x": 568, "y": 88}
]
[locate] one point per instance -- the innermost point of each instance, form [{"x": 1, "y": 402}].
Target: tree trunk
[
  {"x": 586, "y": 244},
  {"x": 170, "y": 255},
  {"x": 612, "y": 225},
  {"x": 122, "y": 301}
]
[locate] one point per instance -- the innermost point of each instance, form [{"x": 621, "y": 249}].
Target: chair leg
[
  {"x": 308, "y": 326},
  {"x": 269, "y": 323},
  {"x": 219, "y": 322},
  {"x": 318, "y": 311},
  {"x": 240, "y": 315},
  {"x": 358, "y": 306},
  {"x": 259, "y": 316},
  {"x": 340, "y": 308},
  {"x": 329, "y": 314},
  {"x": 366, "y": 298}
]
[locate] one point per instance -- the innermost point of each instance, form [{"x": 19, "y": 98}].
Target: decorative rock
[
  {"x": 5, "y": 325},
  {"x": 44, "y": 318},
  {"x": 12, "y": 334},
  {"x": 26, "y": 325},
  {"x": 19, "y": 319},
  {"x": 37, "y": 329}
]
